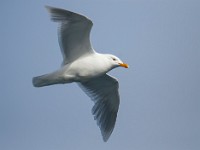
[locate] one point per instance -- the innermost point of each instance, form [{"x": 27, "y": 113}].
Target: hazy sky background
[{"x": 160, "y": 92}]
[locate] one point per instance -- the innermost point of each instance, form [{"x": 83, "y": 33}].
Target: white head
[{"x": 116, "y": 62}]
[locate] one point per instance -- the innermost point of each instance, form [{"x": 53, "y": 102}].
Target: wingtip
[
  {"x": 105, "y": 139},
  {"x": 105, "y": 136},
  {"x": 48, "y": 8}
]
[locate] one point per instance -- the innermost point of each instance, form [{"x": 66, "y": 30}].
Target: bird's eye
[{"x": 114, "y": 59}]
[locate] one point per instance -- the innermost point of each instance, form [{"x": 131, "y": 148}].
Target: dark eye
[{"x": 114, "y": 59}]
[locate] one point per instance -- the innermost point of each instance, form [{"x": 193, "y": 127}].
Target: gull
[{"x": 83, "y": 65}]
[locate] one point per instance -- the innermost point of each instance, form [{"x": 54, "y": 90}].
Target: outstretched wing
[
  {"x": 73, "y": 33},
  {"x": 103, "y": 91}
]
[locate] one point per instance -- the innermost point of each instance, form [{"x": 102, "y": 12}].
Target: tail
[{"x": 45, "y": 80}]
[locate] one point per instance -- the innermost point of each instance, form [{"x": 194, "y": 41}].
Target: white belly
[{"x": 88, "y": 67}]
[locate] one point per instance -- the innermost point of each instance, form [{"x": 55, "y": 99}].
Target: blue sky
[{"x": 160, "y": 92}]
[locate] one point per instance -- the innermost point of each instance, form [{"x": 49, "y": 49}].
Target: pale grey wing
[
  {"x": 103, "y": 91},
  {"x": 73, "y": 33}
]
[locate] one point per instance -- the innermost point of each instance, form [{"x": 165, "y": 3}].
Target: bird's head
[{"x": 116, "y": 62}]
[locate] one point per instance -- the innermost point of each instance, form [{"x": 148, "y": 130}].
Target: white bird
[{"x": 81, "y": 64}]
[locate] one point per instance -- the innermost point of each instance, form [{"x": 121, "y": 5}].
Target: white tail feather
[
  {"x": 41, "y": 81},
  {"x": 47, "y": 79}
]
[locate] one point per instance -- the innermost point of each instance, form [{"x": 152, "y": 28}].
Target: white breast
[{"x": 89, "y": 67}]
